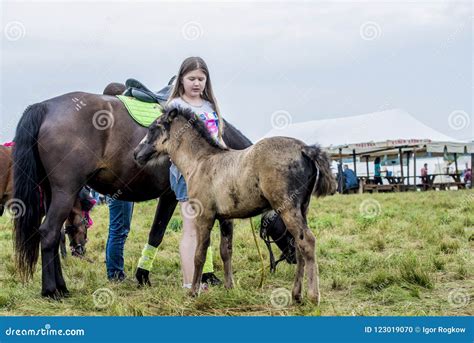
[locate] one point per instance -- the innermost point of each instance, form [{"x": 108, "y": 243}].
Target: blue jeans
[
  {"x": 178, "y": 184},
  {"x": 120, "y": 213}
]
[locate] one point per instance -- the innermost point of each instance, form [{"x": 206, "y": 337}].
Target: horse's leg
[
  {"x": 164, "y": 211},
  {"x": 227, "y": 231},
  {"x": 298, "y": 283},
  {"x": 62, "y": 243},
  {"x": 50, "y": 231},
  {"x": 203, "y": 237},
  {"x": 305, "y": 243}
]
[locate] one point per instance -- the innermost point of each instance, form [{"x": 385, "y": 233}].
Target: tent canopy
[{"x": 374, "y": 132}]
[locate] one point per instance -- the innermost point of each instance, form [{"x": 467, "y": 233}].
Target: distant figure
[
  {"x": 350, "y": 178},
  {"x": 467, "y": 174},
  {"x": 424, "y": 176},
  {"x": 424, "y": 170},
  {"x": 377, "y": 175}
]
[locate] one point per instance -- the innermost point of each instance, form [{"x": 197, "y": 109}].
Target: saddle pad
[{"x": 144, "y": 113}]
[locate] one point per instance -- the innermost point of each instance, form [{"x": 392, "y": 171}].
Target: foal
[{"x": 278, "y": 173}]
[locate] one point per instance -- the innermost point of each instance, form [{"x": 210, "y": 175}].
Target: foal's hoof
[
  {"x": 143, "y": 277},
  {"x": 315, "y": 298},
  {"x": 297, "y": 298},
  {"x": 193, "y": 294}
]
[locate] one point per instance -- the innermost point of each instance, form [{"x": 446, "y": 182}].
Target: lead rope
[{"x": 262, "y": 275}]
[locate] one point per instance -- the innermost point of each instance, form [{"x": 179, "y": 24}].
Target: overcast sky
[{"x": 309, "y": 60}]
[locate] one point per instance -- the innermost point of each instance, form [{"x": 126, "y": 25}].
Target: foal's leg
[
  {"x": 203, "y": 237},
  {"x": 305, "y": 243},
  {"x": 298, "y": 283},
  {"x": 227, "y": 231},
  {"x": 50, "y": 231}
]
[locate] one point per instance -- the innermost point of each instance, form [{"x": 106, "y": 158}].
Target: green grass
[{"x": 413, "y": 257}]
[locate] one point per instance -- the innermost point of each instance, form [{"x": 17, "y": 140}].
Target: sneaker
[
  {"x": 210, "y": 279},
  {"x": 203, "y": 287},
  {"x": 118, "y": 277}
]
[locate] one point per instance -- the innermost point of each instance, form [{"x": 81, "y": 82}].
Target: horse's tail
[
  {"x": 27, "y": 173},
  {"x": 325, "y": 184}
]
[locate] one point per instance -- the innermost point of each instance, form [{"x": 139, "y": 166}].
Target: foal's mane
[{"x": 196, "y": 123}]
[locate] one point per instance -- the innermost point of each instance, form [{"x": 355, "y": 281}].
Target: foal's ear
[{"x": 172, "y": 114}]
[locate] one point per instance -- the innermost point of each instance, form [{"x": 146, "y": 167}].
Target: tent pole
[
  {"x": 340, "y": 185},
  {"x": 472, "y": 164},
  {"x": 367, "y": 165},
  {"x": 456, "y": 162},
  {"x": 408, "y": 168},
  {"x": 400, "y": 154},
  {"x": 414, "y": 167},
  {"x": 354, "y": 160}
]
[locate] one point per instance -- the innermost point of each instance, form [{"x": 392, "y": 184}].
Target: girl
[{"x": 193, "y": 90}]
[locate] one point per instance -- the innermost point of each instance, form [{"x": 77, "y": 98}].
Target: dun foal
[{"x": 279, "y": 173}]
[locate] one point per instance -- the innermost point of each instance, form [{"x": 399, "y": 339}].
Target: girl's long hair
[{"x": 191, "y": 64}]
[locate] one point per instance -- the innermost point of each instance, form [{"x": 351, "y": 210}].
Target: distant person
[
  {"x": 424, "y": 176},
  {"x": 377, "y": 174},
  {"x": 467, "y": 175},
  {"x": 350, "y": 178}
]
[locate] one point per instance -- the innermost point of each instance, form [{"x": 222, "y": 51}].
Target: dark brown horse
[
  {"x": 76, "y": 227},
  {"x": 6, "y": 183},
  {"x": 76, "y": 139}
]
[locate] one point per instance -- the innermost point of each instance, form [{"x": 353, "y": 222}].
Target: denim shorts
[{"x": 178, "y": 184}]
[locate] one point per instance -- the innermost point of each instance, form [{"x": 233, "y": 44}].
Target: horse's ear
[{"x": 172, "y": 114}]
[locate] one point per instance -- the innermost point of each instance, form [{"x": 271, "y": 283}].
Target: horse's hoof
[
  {"x": 297, "y": 298},
  {"x": 143, "y": 277},
  {"x": 51, "y": 293},
  {"x": 64, "y": 292}
]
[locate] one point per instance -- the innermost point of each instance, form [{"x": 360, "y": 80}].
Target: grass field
[{"x": 382, "y": 254}]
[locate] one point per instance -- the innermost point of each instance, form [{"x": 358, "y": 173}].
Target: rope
[{"x": 262, "y": 275}]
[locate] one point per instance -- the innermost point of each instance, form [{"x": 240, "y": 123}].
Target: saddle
[{"x": 139, "y": 91}]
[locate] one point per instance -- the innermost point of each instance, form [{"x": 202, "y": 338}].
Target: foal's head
[{"x": 164, "y": 131}]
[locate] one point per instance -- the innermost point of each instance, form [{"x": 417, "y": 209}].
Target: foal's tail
[
  {"x": 326, "y": 183},
  {"x": 27, "y": 174}
]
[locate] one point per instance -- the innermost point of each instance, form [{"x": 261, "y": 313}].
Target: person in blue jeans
[{"x": 120, "y": 217}]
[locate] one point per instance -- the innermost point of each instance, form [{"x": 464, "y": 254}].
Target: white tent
[{"x": 369, "y": 133}]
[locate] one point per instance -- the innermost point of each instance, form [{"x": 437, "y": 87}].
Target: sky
[{"x": 300, "y": 60}]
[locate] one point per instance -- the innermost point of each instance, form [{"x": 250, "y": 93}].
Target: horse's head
[
  {"x": 76, "y": 229},
  {"x": 77, "y": 233},
  {"x": 156, "y": 141}
]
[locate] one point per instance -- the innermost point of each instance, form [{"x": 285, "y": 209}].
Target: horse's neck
[{"x": 187, "y": 147}]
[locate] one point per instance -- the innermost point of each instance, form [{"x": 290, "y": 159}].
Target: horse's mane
[{"x": 196, "y": 123}]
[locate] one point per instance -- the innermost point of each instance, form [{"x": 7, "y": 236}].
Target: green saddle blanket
[{"x": 144, "y": 113}]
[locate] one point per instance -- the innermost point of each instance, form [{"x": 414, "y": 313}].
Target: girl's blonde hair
[{"x": 191, "y": 64}]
